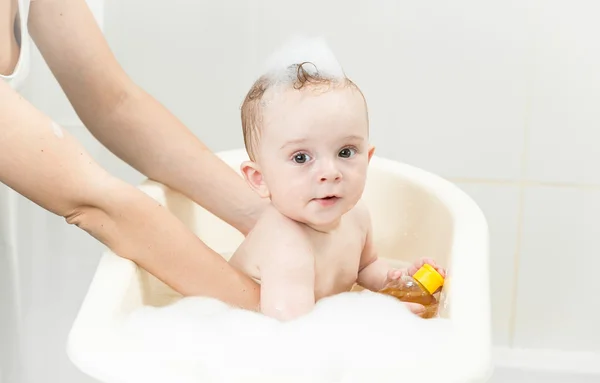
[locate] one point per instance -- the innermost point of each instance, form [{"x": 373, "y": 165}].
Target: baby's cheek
[
  {"x": 356, "y": 181},
  {"x": 356, "y": 171},
  {"x": 289, "y": 192}
]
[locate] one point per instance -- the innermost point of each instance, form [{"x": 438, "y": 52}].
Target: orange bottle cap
[{"x": 429, "y": 278}]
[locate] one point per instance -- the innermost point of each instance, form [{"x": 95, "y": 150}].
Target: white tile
[
  {"x": 565, "y": 118},
  {"x": 450, "y": 94},
  {"x": 445, "y": 81},
  {"x": 557, "y": 296},
  {"x": 500, "y": 204},
  {"x": 516, "y": 375}
]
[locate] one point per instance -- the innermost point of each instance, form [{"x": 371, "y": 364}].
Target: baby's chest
[{"x": 337, "y": 262}]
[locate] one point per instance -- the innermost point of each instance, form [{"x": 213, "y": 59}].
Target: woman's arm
[
  {"x": 128, "y": 121},
  {"x": 45, "y": 164},
  {"x": 9, "y": 49}
]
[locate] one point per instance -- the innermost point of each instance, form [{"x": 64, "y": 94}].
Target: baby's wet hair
[{"x": 301, "y": 64}]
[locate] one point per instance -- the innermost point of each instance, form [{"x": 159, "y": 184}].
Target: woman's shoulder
[{"x": 21, "y": 37}]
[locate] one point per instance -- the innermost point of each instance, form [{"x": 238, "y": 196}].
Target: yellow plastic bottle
[{"x": 420, "y": 288}]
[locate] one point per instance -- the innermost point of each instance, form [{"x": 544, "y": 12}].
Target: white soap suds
[
  {"x": 298, "y": 50},
  {"x": 349, "y": 338},
  {"x": 57, "y": 130}
]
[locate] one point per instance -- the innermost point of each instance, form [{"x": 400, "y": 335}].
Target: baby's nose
[
  {"x": 334, "y": 178},
  {"x": 330, "y": 173}
]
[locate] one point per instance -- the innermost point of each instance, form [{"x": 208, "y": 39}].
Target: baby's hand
[
  {"x": 418, "y": 264},
  {"x": 395, "y": 274}
]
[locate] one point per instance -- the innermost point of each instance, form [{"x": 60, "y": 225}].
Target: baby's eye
[
  {"x": 301, "y": 158},
  {"x": 346, "y": 152}
]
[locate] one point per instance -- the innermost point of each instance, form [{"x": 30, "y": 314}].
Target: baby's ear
[
  {"x": 251, "y": 172},
  {"x": 371, "y": 151}
]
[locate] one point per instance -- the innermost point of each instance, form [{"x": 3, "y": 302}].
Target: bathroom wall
[{"x": 500, "y": 97}]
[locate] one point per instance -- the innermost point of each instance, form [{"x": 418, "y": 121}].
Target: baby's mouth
[
  {"x": 331, "y": 196},
  {"x": 327, "y": 200}
]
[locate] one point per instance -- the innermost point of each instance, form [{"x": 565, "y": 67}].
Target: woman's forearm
[
  {"x": 148, "y": 137},
  {"x": 128, "y": 121},
  {"x": 47, "y": 165},
  {"x": 134, "y": 226}
]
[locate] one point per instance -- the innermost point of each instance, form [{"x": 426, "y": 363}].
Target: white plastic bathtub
[{"x": 415, "y": 214}]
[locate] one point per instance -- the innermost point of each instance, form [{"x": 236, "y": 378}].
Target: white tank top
[{"x": 16, "y": 79}]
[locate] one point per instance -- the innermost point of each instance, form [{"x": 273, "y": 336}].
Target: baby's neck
[{"x": 325, "y": 229}]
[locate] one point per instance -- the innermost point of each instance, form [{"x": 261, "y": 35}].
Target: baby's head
[{"x": 306, "y": 131}]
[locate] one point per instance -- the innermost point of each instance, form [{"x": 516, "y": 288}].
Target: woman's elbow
[
  {"x": 94, "y": 220},
  {"x": 102, "y": 210}
]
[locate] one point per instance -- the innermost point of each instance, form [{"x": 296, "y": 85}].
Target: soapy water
[{"x": 357, "y": 337}]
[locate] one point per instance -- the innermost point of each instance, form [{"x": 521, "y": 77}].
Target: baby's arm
[
  {"x": 373, "y": 271},
  {"x": 287, "y": 272}
]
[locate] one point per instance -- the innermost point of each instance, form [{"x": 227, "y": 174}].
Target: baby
[{"x": 306, "y": 131}]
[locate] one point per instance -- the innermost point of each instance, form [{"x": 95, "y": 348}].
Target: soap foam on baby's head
[
  {"x": 280, "y": 67},
  {"x": 300, "y": 64}
]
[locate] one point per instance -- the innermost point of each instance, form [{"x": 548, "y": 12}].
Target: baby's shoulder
[
  {"x": 276, "y": 231},
  {"x": 272, "y": 222},
  {"x": 273, "y": 238}
]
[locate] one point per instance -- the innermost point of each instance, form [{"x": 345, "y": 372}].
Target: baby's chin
[
  {"x": 324, "y": 222},
  {"x": 314, "y": 221},
  {"x": 320, "y": 217}
]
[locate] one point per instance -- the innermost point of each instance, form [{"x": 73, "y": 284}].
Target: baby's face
[{"x": 314, "y": 153}]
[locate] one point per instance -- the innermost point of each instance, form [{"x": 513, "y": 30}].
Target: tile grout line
[
  {"x": 516, "y": 264},
  {"x": 522, "y": 184}
]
